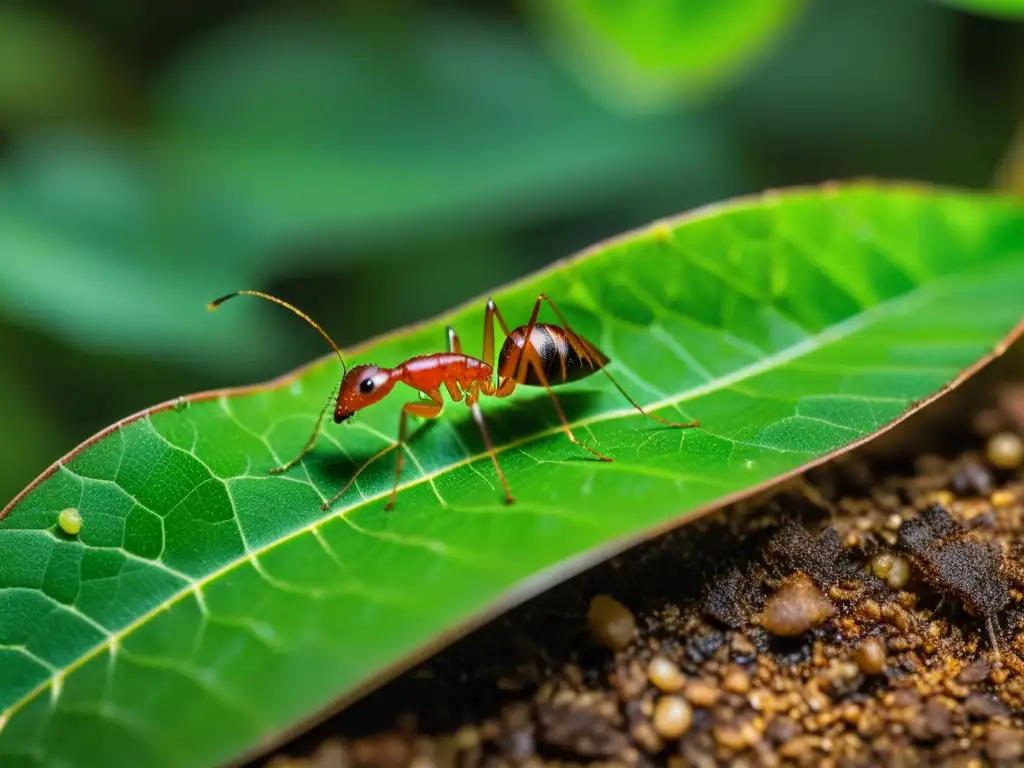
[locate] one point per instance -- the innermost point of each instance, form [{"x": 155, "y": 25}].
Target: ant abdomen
[{"x": 565, "y": 356}]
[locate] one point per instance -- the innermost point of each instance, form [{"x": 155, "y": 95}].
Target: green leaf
[
  {"x": 663, "y": 49},
  {"x": 206, "y": 607},
  {"x": 376, "y": 138},
  {"x": 1012, "y": 9},
  {"x": 88, "y": 225},
  {"x": 443, "y": 121},
  {"x": 49, "y": 69}
]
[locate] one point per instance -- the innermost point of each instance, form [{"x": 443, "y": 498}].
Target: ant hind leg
[
  {"x": 594, "y": 357},
  {"x": 528, "y": 356}
]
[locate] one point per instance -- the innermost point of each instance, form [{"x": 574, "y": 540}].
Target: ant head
[{"x": 363, "y": 385}]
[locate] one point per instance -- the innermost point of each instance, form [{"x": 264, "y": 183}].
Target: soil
[{"x": 869, "y": 613}]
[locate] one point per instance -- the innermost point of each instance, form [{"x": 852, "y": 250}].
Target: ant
[{"x": 553, "y": 355}]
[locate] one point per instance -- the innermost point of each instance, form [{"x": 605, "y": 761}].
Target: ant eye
[{"x": 366, "y": 386}]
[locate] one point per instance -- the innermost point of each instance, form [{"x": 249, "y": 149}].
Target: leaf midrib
[{"x": 809, "y": 344}]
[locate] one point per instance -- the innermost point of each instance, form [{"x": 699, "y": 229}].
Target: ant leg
[
  {"x": 534, "y": 360},
  {"x": 424, "y": 410},
  {"x": 478, "y": 417},
  {"x": 594, "y": 358},
  {"x": 429, "y": 410},
  {"x": 473, "y": 396},
  {"x": 308, "y": 446},
  {"x": 528, "y": 356},
  {"x": 648, "y": 414},
  {"x": 454, "y": 345},
  {"x": 379, "y": 455}
]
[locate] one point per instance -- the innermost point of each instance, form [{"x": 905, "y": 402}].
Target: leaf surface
[{"x": 206, "y": 607}]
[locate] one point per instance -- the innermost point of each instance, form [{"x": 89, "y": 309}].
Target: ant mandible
[{"x": 553, "y": 355}]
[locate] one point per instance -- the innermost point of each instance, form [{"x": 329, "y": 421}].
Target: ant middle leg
[
  {"x": 454, "y": 345},
  {"x": 429, "y": 410},
  {"x": 472, "y": 400},
  {"x": 527, "y": 355}
]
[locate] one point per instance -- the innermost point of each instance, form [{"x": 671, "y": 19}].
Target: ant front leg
[
  {"x": 309, "y": 444},
  {"x": 429, "y": 410},
  {"x": 454, "y": 345}
]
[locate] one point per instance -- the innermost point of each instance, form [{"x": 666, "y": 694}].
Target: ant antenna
[{"x": 216, "y": 303}]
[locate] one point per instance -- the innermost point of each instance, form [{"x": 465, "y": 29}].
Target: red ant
[{"x": 555, "y": 355}]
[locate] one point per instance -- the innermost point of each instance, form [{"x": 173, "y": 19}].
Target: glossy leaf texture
[
  {"x": 664, "y": 49},
  {"x": 206, "y": 607}
]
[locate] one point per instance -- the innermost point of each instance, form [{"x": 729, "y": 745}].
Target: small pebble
[
  {"x": 467, "y": 738},
  {"x": 870, "y": 656},
  {"x": 612, "y": 622},
  {"x": 672, "y": 717},
  {"x": 987, "y": 422},
  {"x": 645, "y": 735},
  {"x": 782, "y": 729},
  {"x": 331, "y": 754},
  {"x": 972, "y": 477},
  {"x": 742, "y": 649},
  {"x": 701, "y": 694},
  {"x": 974, "y": 673},
  {"x": 665, "y": 675},
  {"x": 893, "y": 568},
  {"x": 735, "y": 737},
  {"x": 762, "y": 700},
  {"x": 1005, "y": 451},
  {"x": 1002, "y": 499},
  {"x": 881, "y": 564},
  {"x": 985, "y": 705},
  {"x": 629, "y": 680},
  {"x": 736, "y": 681},
  {"x": 1004, "y": 743},
  {"x": 284, "y": 761},
  {"x": 796, "y": 749},
  {"x": 899, "y": 575},
  {"x": 70, "y": 521},
  {"x": 797, "y": 607}
]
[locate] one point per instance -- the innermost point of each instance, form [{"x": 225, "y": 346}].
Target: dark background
[{"x": 376, "y": 166}]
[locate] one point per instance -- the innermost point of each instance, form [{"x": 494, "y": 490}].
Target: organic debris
[{"x": 871, "y": 616}]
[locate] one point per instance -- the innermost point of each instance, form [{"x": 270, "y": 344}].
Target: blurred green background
[{"x": 378, "y": 162}]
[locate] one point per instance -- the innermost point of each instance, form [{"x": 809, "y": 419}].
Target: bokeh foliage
[{"x": 380, "y": 164}]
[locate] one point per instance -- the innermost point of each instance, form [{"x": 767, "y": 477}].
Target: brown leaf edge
[{"x": 548, "y": 577}]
